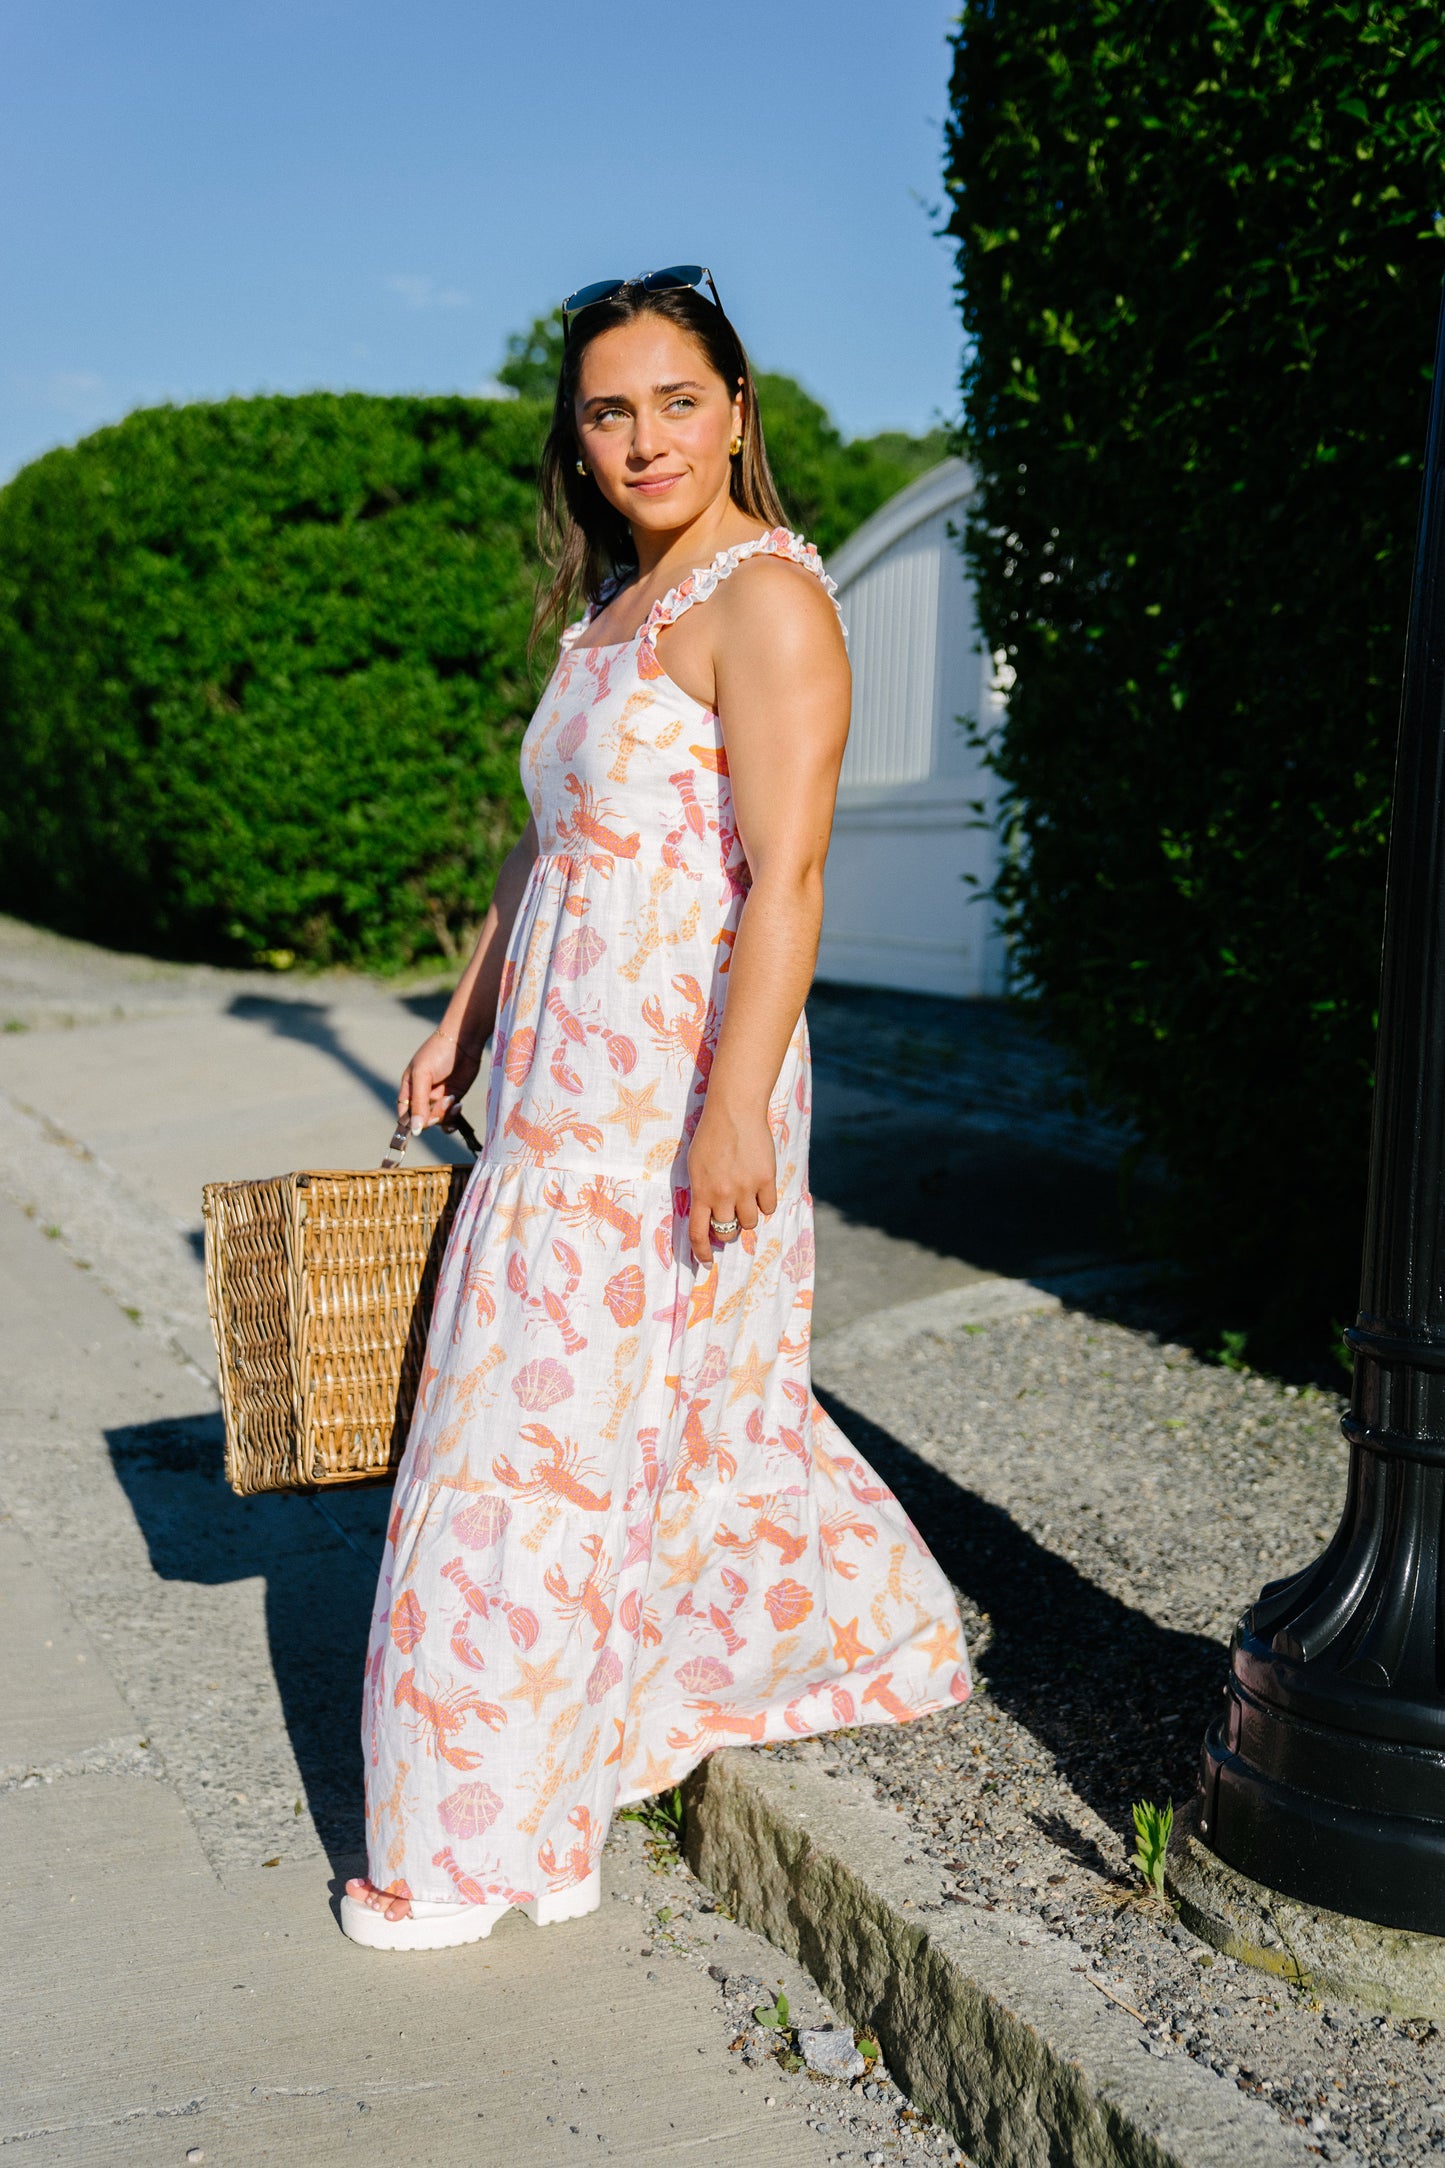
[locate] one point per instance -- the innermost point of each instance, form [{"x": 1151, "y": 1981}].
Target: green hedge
[
  {"x": 263, "y": 667},
  {"x": 1200, "y": 264},
  {"x": 263, "y": 675}
]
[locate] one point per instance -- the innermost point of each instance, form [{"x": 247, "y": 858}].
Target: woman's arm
[
  {"x": 783, "y": 691},
  {"x": 444, "y": 1067}
]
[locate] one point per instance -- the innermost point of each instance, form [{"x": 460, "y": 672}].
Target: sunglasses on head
[{"x": 650, "y": 282}]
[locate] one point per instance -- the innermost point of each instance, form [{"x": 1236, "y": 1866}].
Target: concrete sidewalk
[{"x": 180, "y": 1773}]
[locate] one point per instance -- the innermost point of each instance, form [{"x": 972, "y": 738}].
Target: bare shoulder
[{"x": 773, "y": 606}]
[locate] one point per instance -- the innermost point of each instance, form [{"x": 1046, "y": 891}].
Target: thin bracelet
[{"x": 456, "y": 1042}]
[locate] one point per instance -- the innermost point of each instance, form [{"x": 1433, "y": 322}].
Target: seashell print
[
  {"x": 521, "y": 1051},
  {"x": 788, "y": 1604},
  {"x": 576, "y": 953},
  {"x": 604, "y": 1675},
  {"x": 621, "y": 1053},
  {"x": 626, "y": 1295},
  {"x": 408, "y": 1622},
  {"x": 543, "y": 1383},
  {"x": 523, "y": 1625},
  {"x": 798, "y": 1260},
  {"x": 480, "y": 1525},
  {"x": 570, "y": 736},
  {"x": 703, "y": 1675},
  {"x": 470, "y": 1810}
]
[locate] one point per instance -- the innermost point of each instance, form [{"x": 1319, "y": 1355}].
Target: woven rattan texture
[{"x": 320, "y": 1287}]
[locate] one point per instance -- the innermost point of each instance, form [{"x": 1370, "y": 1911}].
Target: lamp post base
[{"x": 1308, "y": 1946}]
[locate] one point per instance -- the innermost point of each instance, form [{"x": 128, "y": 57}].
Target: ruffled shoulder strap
[{"x": 778, "y": 542}]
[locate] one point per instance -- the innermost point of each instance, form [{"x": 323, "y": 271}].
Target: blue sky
[{"x": 213, "y": 196}]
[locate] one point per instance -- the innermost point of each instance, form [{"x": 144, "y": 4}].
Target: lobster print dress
[{"x": 624, "y": 1532}]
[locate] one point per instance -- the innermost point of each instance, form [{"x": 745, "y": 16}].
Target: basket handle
[{"x": 401, "y": 1138}]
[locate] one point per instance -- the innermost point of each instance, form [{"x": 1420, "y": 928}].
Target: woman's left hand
[{"x": 732, "y": 1173}]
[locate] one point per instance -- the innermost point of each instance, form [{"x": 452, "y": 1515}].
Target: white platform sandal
[
  {"x": 426, "y": 1927},
  {"x": 436, "y": 1926}
]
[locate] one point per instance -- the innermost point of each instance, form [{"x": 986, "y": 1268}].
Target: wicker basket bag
[{"x": 320, "y": 1289}]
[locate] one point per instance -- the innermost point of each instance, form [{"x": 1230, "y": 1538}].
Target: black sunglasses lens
[
  {"x": 677, "y": 274},
  {"x": 599, "y": 290}
]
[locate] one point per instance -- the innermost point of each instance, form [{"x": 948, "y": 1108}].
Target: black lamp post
[{"x": 1325, "y": 1776}]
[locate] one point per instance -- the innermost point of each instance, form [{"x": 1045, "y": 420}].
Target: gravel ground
[{"x": 1105, "y": 1504}]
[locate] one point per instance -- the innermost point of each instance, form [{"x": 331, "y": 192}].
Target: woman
[{"x": 624, "y": 1532}]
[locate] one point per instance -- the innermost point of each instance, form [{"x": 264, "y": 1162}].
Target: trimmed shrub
[
  {"x": 1200, "y": 265},
  {"x": 263, "y": 675}
]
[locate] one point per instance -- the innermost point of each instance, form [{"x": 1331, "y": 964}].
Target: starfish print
[
  {"x": 683, "y": 1567},
  {"x": 748, "y": 1379},
  {"x": 633, "y": 1108},
  {"x": 657, "y": 1776},
  {"x": 537, "y": 1682},
  {"x": 846, "y": 1645},
  {"x": 513, "y": 1213},
  {"x": 941, "y": 1647}
]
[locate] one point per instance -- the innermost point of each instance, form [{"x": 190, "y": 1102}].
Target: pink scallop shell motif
[
  {"x": 604, "y": 1675},
  {"x": 523, "y": 1625},
  {"x": 576, "y": 953},
  {"x": 480, "y": 1525},
  {"x": 469, "y": 1811},
  {"x": 703, "y": 1675},
  {"x": 543, "y": 1383},
  {"x": 570, "y": 736}
]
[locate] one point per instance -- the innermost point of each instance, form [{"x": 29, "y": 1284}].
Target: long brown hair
[{"x": 586, "y": 540}]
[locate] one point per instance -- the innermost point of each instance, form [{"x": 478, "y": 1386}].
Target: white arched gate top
[{"x": 898, "y": 911}]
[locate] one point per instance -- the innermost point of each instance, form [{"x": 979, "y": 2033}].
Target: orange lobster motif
[
  {"x": 579, "y": 1859},
  {"x": 593, "y": 1595},
  {"x": 694, "y": 822},
  {"x": 638, "y": 1618},
  {"x": 766, "y": 1529},
  {"x": 440, "y": 1718},
  {"x": 597, "y": 1205},
  {"x": 470, "y": 1890},
  {"x": 684, "y": 1037},
  {"x": 698, "y": 1452},
  {"x": 587, "y": 833},
  {"x": 716, "y": 1726},
  {"x": 544, "y": 1138},
  {"x": 716, "y": 1616},
  {"x": 557, "y": 1477},
  {"x": 881, "y": 1691},
  {"x": 831, "y": 1533}
]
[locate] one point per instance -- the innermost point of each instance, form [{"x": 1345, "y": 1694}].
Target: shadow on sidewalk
[
  {"x": 309, "y": 1023},
  {"x": 318, "y": 1558},
  {"x": 1118, "y": 1700}
]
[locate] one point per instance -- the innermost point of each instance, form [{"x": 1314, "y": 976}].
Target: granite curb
[{"x": 1005, "y": 2033}]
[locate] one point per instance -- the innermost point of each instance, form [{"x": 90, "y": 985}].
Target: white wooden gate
[{"x": 898, "y": 910}]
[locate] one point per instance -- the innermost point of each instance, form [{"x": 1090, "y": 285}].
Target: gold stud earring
[
  {"x": 581, "y": 469},
  {"x": 736, "y": 446}
]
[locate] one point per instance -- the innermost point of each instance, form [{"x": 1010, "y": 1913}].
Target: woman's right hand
[{"x": 436, "y": 1079}]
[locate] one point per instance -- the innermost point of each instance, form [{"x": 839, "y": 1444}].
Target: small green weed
[
  {"x": 661, "y": 1816},
  {"x": 773, "y": 2014},
  {"x": 868, "y": 2048},
  {"x": 1230, "y": 1352},
  {"x": 1151, "y": 1830},
  {"x": 1340, "y": 1348},
  {"x": 13, "y": 1023}
]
